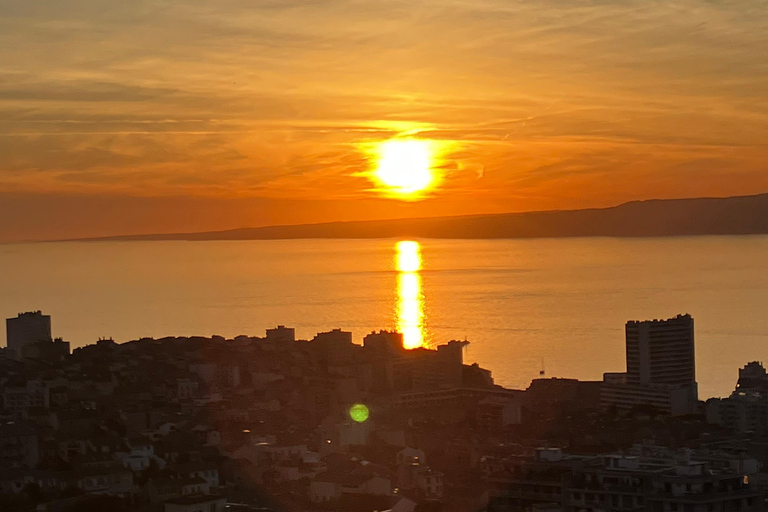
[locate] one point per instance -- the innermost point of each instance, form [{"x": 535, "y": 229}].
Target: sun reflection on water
[{"x": 410, "y": 300}]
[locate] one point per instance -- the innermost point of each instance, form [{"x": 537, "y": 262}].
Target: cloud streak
[{"x": 553, "y": 102}]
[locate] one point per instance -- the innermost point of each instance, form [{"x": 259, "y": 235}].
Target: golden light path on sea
[{"x": 410, "y": 300}]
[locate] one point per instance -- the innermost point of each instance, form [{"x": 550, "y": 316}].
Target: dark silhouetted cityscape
[{"x": 195, "y": 424}]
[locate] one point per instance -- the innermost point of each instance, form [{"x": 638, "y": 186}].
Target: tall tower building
[
  {"x": 661, "y": 352},
  {"x": 661, "y": 368},
  {"x": 25, "y": 329}
]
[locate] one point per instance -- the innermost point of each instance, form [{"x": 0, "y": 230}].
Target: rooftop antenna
[{"x": 542, "y": 372}]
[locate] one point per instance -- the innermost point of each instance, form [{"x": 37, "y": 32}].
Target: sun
[{"x": 404, "y": 166}]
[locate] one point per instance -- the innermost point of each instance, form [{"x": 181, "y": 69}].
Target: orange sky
[{"x": 169, "y": 115}]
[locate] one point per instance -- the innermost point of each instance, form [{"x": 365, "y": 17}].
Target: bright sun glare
[{"x": 405, "y": 166}]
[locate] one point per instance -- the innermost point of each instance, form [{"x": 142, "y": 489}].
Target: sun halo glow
[{"x": 404, "y": 166}]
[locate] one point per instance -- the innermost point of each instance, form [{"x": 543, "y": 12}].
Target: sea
[{"x": 551, "y": 307}]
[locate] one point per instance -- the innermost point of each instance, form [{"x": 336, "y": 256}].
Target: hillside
[{"x": 668, "y": 217}]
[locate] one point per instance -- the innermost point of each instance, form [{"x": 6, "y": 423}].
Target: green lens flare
[{"x": 359, "y": 413}]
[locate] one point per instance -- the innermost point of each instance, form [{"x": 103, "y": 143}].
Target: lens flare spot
[{"x": 359, "y": 413}]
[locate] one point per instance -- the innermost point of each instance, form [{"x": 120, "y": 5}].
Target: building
[
  {"x": 411, "y": 456},
  {"x": 166, "y": 488},
  {"x": 429, "y": 482},
  {"x": 753, "y": 376},
  {"x": 661, "y": 352},
  {"x": 215, "y": 376},
  {"x": 414, "y": 475},
  {"x": 646, "y": 479},
  {"x": 19, "y": 445},
  {"x": 384, "y": 343},
  {"x": 392, "y": 368},
  {"x": 334, "y": 347},
  {"x": 426, "y": 369},
  {"x": 51, "y": 351},
  {"x": 495, "y": 413},
  {"x": 442, "y": 398},
  {"x": 200, "y": 503},
  {"x": 520, "y": 483},
  {"x": 209, "y": 473},
  {"x": 333, "y": 337},
  {"x": 553, "y": 395},
  {"x": 333, "y": 485},
  {"x": 281, "y": 334},
  {"x": 677, "y": 401},
  {"x": 661, "y": 368},
  {"x": 187, "y": 388},
  {"x": 27, "y": 328},
  {"x": 20, "y": 398},
  {"x": 746, "y": 409},
  {"x": 114, "y": 480},
  {"x": 664, "y": 483}
]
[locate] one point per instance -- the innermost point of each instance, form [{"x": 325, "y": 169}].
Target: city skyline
[
  {"x": 653, "y": 347},
  {"x": 660, "y": 353},
  {"x": 273, "y": 423}
]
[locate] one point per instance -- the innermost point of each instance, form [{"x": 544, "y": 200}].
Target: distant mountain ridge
[{"x": 744, "y": 215}]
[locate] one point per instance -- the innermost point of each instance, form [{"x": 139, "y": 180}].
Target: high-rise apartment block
[
  {"x": 661, "y": 352},
  {"x": 26, "y": 329},
  {"x": 661, "y": 368},
  {"x": 29, "y": 337}
]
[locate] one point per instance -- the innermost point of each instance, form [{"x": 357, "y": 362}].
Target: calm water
[{"x": 519, "y": 302}]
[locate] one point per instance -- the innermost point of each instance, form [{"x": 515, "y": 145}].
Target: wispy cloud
[{"x": 271, "y": 98}]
